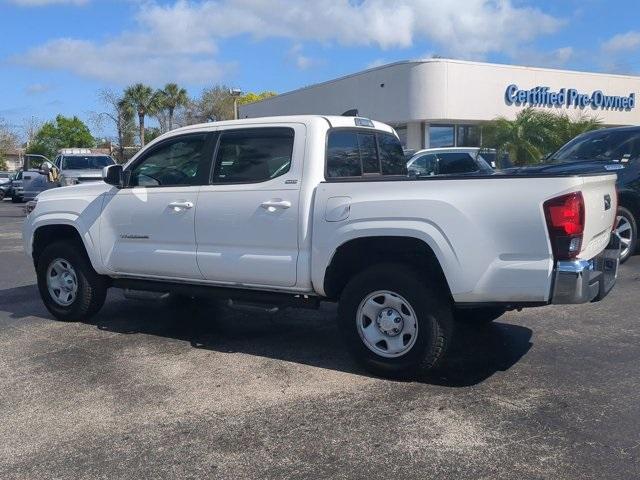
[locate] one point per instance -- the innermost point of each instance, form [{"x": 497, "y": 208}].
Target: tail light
[{"x": 565, "y": 221}]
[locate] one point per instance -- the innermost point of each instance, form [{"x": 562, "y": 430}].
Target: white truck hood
[{"x": 88, "y": 174}]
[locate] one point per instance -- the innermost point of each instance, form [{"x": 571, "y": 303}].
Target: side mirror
[{"x": 113, "y": 175}]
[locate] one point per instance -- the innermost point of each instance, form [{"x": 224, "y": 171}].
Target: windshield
[
  {"x": 606, "y": 145},
  {"x": 90, "y": 162}
]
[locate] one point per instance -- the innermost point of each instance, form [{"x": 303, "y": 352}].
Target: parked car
[
  {"x": 613, "y": 150},
  {"x": 448, "y": 161},
  {"x": 5, "y": 181},
  {"x": 297, "y": 210},
  {"x": 80, "y": 166}
]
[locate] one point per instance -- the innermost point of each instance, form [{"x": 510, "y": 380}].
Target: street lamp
[{"x": 235, "y": 93}]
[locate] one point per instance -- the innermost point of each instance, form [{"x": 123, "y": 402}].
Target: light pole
[{"x": 235, "y": 93}]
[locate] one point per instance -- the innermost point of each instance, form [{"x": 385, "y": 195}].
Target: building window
[
  {"x": 441, "y": 136},
  {"x": 468, "y": 136}
]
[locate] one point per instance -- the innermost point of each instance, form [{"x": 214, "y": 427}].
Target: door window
[
  {"x": 456, "y": 163},
  {"x": 424, "y": 165},
  {"x": 255, "y": 155},
  {"x": 176, "y": 162}
]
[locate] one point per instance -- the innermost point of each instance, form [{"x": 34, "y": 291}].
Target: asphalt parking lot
[{"x": 147, "y": 391}]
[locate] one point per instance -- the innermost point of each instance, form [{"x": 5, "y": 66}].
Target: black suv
[{"x": 614, "y": 150}]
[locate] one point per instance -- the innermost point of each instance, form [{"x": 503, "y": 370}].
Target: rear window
[
  {"x": 606, "y": 145},
  {"x": 455, "y": 163},
  {"x": 353, "y": 153},
  {"x": 92, "y": 162}
]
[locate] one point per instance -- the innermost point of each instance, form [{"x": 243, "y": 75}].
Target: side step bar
[{"x": 236, "y": 295}]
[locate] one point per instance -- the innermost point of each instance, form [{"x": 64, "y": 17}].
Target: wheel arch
[
  {"x": 355, "y": 254},
  {"x": 47, "y": 232}
]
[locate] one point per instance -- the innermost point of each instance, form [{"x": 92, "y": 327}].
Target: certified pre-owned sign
[{"x": 570, "y": 97}]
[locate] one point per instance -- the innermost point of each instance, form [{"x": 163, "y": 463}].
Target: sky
[{"x": 55, "y": 55}]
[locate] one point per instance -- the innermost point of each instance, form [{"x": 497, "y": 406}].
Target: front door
[
  {"x": 247, "y": 218},
  {"x": 147, "y": 228}
]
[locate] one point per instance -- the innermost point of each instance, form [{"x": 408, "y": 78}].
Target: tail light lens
[{"x": 565, "y": 221}]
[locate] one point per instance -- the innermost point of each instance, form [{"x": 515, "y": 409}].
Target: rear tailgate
[{"x": 600, "y": 199}]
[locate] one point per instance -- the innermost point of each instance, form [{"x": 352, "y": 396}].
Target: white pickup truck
[{"x": 297, "y": 210}]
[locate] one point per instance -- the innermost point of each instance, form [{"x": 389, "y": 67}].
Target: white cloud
[
  {"x": 44, "y": 3},
  {"x": 559, "y": 57},
  {"x": 178, "y": 41},
  {"x": 299, "y": 59},
  {"x": 623, "y": 42},
  {"x": 37, "y": 88}
]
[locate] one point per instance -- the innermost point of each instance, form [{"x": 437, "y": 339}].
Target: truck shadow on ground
[
  {"x": 307, "y": 337},
  {"x": 311, "y": 337}
]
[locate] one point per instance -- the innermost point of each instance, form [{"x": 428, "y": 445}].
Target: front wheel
[
  {"x": 70, "y": 288},
  {"x": 396, "y": 323},
  {"x": 627, "y": 230}
]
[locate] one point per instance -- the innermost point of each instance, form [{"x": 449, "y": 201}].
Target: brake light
[{"x": 565, "y": 222}]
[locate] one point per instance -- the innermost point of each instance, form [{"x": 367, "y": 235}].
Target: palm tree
[
  {"x": 144, "y": 101},
  {"x": 527, "y": 138},
  {"x": 172, "y": 97},
  {"x": 568, "y": 128}
]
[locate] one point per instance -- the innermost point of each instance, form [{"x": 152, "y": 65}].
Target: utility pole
[{"x": 235, "y": 93}]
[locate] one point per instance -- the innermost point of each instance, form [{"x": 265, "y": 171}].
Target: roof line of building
[{"x": 439, "y": 60}]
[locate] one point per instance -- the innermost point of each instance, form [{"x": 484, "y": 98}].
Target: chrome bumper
[{"x": 582, "y": 281}]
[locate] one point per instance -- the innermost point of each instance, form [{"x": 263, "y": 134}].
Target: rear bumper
[{"x": 582, "y": 281}]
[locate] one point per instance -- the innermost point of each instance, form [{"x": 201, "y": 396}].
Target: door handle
[
  {"x": 273, "y": 205},
  {"x": 181, "y": 205}
]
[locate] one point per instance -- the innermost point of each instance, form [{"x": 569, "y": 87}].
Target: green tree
[
  {"x": 121, "y": 114},
  {"x": 8, "y": 142},
  {"x": 64, "y": 132},
  {"x": 534, "y": 134},
  {"x": 151, "y": 133},
  {"x": 251, "y": 97},
  {"x": 215, "y": 104},
  {"x": 171, "y": 97},
  {"x": 144, "y": 101},
  {"x": 568, "y": 128}
]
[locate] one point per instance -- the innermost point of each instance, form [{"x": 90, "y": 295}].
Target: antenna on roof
[{"x": 350, "y": 113}]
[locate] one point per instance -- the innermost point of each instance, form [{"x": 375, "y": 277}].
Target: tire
[
  {"x": 15, "y": 199},
  {"x": 69, "y": 261},
  {"x": 414, "y": 297},
  {"x": 627, "y": 228},
  {"x": 478, "y": 316}
]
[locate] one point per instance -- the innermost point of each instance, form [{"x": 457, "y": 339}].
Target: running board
[{"x": 237, "y": 295}]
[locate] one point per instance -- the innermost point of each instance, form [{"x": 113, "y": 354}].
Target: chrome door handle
[
  {"x": 272, "y": 205},
  {"x": 181, "y": 205}
]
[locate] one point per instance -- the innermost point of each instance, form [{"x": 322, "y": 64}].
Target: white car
[
  {"x": 452, "y": 161},
  {"x": 302, "y": 209}
]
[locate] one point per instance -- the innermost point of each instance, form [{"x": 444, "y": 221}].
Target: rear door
[
  {"x": 147, "y": 228},
  {"x": 247, "y": 219}
]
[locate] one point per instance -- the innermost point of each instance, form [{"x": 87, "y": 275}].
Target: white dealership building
[{"x": 442, "y": 102}]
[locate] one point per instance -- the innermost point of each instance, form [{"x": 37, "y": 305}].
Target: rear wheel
[
  {"x": 396, "y": 323},
  {"x": 16, "y": 199},
  {"x": 627, "y": 229},
  {"x": 70, "y": 288}
]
